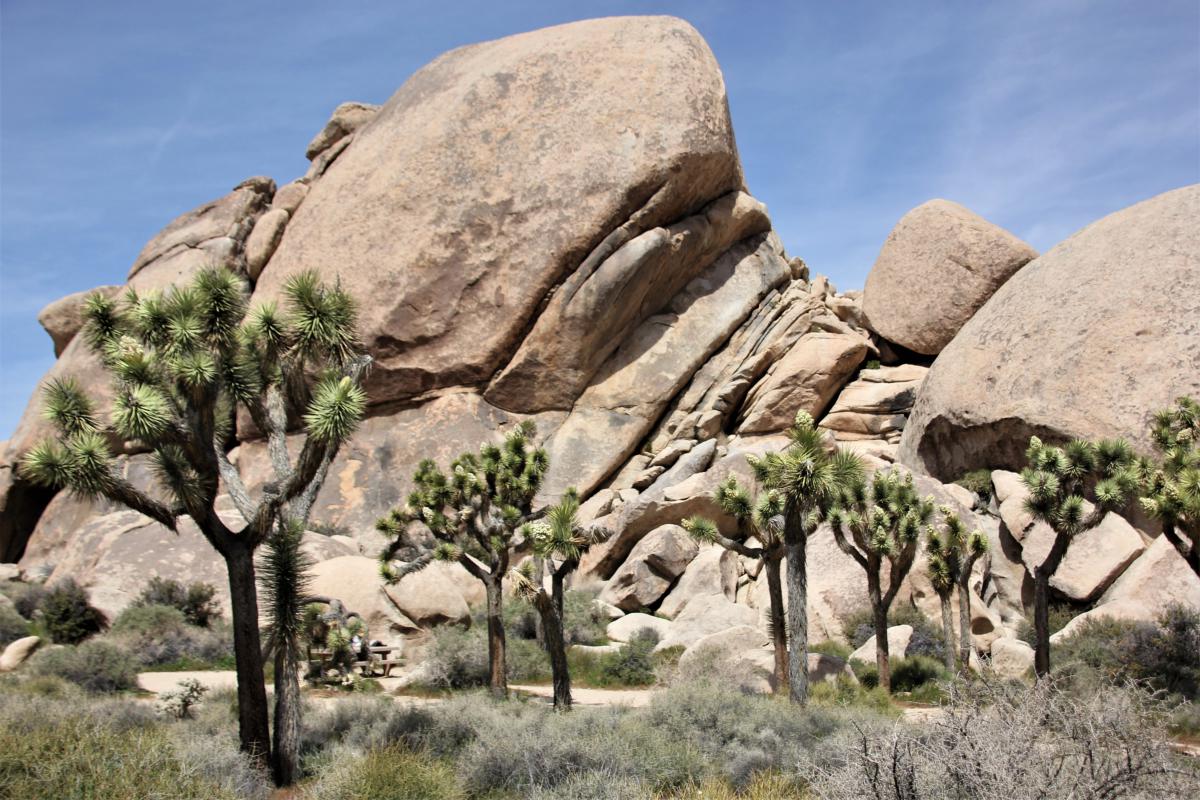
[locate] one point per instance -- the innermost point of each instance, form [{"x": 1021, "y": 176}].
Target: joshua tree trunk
[
  {"x": 247, "y": 649},
  {"x": 797, "y": 615},
  {"x": 556, "y": 645},
  {"x": 1189, "y": 549},
  {"x": 879, "y": 613},
  {"x": 778, "y": 624},
  {"x": 497, "y": 679},
  {"x": 287, "y": 716},
  {"x": 947, "y": 630},
  {"x": 964, "y": 623},
  {"x": 1041, "y": 604},
  {"x": 539, "y": 625}
]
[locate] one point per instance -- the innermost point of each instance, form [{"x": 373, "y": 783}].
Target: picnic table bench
[{"x": 368, "y": 665}]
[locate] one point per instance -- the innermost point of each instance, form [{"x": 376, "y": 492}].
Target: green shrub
[
  {"x": 457, "y": 658},
  {"x": 26, "y": 597},
  {"x": 12, "y": 625},
  {"x": 913, "y": 672},
  {"x": 633, "y": 664},
  {"x": 196, "y": 601},
  {"x": 1162, "y": 655},
  {"x": 831, "y": 648},
  {"x": 846, "y": 693},
  {"x": 582, "y": 621},
  {"x": 159, "y": 636},
  {"x": 978, "y": 481},
  {"x": 867, "y": 674},
  {"x": 96, "y": 665},
  {"x": 66, "y": 614},
  {"x": 392, "y": 773},
  {"x": 1185, "y": 720}
]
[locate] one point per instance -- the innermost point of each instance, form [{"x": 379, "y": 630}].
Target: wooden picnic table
[{"x": 385, "y": 661}]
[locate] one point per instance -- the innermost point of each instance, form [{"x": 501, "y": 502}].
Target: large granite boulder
[
  {"x": 501, "y": 170},
  {"x": 938, "y": 266},
  {"x": 1088, "y": 340}
]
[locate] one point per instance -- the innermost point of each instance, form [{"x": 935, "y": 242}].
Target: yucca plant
[
  {"x": 878, "y": 523},
  {"x": 181, "y": 360},
  {"x": 760, "y": 519},
  {"x": 470, "y": 514},
  {"x": 559, "y": 541},
  {"x": 283, "y": 571},
  {"x": 953, "y": 551},
  {"x": 808, "y": 478},
  {"x": 1071, "y": 488},
  {"x": 1170, "y": 488}
]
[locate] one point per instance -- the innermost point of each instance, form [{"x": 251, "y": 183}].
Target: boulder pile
[{"x": 555, "y": 227}]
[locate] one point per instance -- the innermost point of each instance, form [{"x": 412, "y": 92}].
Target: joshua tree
[
  {"x": 471, "y": 515},
  {"x": 557, "y": 537},
  {"x": 181, "y": 362},
  {"x": 1170, "y": 490},
  {"x": 880, "y": 522},
  {"x": 952, "y": 555},
  {"x": 285, "y": 581},
  {"x": 762, "y": 520},
  {"x": 1058, "y": 479},
  {"x": 808, "y": 478}
]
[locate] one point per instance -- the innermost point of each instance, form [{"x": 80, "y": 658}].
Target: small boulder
[
  {"x": 623, "y": 629},
  {"x": 1011, "y": 658},
  {"x": 898, "y": 638},
  {"x": 430, "y": 597},
  {"x": 1094, "y": 559},
  {"x": 263, "y": 239},
  {"x": 355, "y": 580},
  {"x": 653, "y": 565},
  {"x": 346, "y": 119},
  {"x": 63, "y": 318},
  {"x": 17, "y": 652},
  {"x": 705, "y": 615},
  {"x": 10, "y": 572}
]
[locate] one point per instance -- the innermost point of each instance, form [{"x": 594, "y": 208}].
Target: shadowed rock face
[
  {"x": 1087, "y": 340},
  {"x": 494, "y": 173}
]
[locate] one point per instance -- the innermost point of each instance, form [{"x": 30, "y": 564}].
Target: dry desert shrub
[{"x": 1012, "y": 743}]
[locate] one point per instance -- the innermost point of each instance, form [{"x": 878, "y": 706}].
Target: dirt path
[
  {"x": 633, "y": 698},
  {"x": 159, "y": 682}
]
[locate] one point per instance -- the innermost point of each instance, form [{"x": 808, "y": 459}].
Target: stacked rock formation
[{"x": 555, "y": 227}]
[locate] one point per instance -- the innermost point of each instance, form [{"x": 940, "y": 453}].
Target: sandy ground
[{"x": 159, "y": 682}]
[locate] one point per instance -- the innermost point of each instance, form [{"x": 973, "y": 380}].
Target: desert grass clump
[
  {"x": 96, "y": 665},
  {"x": 160, "y": 637},
  {"x": 390, "y": 772}
]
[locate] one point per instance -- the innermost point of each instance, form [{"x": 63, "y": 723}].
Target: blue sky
[{"x": 1041, "y": 116}]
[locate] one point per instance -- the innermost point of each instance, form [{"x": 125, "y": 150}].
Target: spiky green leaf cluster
[
  {"x": 283, "y": 573},
  {"x": 884, "y": 516},
  {"x": 951, "y": 547},
  {"x": 1060, "y": 480},
  {"x": 480, "y": 503},
  {"x": 1170, "y": 488},
  {"x": 808, "y": 478},
  {"x": 181, "y": 360}
]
